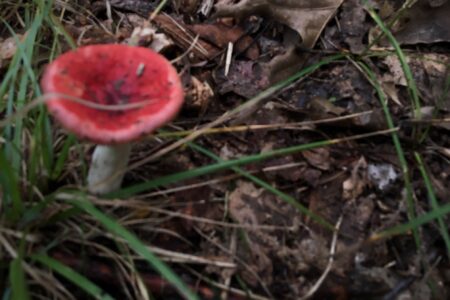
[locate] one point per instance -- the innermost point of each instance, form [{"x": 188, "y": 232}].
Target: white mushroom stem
[{"x": 107, "y": 162}]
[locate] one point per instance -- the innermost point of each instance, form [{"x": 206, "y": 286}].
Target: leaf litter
[{"x": 276, "y": 251}]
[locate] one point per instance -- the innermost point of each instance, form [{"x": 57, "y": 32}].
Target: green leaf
[{"x": 17, "y": 280}]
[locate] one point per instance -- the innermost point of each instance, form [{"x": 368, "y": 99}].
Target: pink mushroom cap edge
[{"x": 112, "y": 74}]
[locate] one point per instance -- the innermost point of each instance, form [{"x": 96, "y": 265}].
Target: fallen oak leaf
[{"x": 307, "y": 17}]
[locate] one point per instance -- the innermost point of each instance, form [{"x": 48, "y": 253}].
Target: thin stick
[
  {"x": 327, "y": 270},
  {"x": 240, "y": 128}
]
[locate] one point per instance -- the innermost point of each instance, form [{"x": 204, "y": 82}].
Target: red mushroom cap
[{"x": 112, "y": 75}]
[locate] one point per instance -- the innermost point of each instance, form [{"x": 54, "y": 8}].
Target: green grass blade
[
  {"x": 16, "y": 157},
  {"x": 25, "y": 52},
  {"x": 40, "y": 163},
  {"x": 134, "y": 243},
  {"x": 433, "y": 201},
  {"x": 9, "y": 77},
  {"x": 397, "y": 144},
  {"x": 412, "y": 87},
  {"x": 73, "y": 276},
  {"x": 8, "y": 133},
  {"x": 23, "y": 75},
  {"x": 413, "y": 224},
  {"x": 158, "y": 8},
  {"x": 59, "y": 29},
  {"x": 17, "y": 279},
  {"x": 44, "y": 131},
  {"x": 12, "y": 201},
  {"x": 62, "y": 157}
]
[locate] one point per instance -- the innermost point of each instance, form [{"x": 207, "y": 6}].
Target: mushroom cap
[{"x": 112, "y": 74}]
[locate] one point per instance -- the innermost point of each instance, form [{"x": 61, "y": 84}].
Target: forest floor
[{"x": 311, "y": 159}]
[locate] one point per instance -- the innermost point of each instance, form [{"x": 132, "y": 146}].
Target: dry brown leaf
[
  {"x": 252, "y": 206},
  {"x": 434, "y": 67},
  {"x": 352, "y": 24},
  {"x": 390, "y": 90},
  {"x": 199, "y": 95},
  {"x": 245, "y": 78},
  {"x": 354, "y": 186},
  {"x": 220, "y": 35},
  {"x": 396, "y": 76},
  {"x": 319, "y": 158},
  {"x": 146, "y": 36},
  {"x": 425, "y": 22},
  {"x": 243, "y": 206},
  {"x": 323, "y": 108},
  {"x": 307, "y": 17},
  {"x": 8, "y": 47}
]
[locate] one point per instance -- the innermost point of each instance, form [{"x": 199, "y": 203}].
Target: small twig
[
  {"x": 428, "y": 121},
  {"x": 188, "y": 50},
  {"x": 229, "y": 273},
  {"x": 228, "y": 58},
  {"x": 177, "y": 257},
  {"x": 157, "y": 10},
  {"x": 327, "y": 270},
  {"x": 30, "y": 238},
  {"x": 277, "y": 126}
]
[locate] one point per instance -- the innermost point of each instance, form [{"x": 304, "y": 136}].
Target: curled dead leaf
[
  {"x": 356, "y": 183},
  {"x": 319, "y": 158},
  {"x": 147, "y": 36},
  {"x": 8, "y": 47},
  {"x": 199, "y": 95}
]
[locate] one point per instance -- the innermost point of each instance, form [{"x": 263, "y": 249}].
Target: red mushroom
[{"x": 140, "y": 86}]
